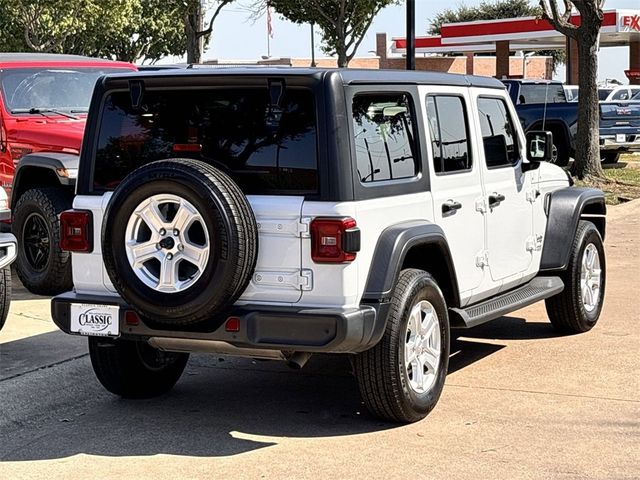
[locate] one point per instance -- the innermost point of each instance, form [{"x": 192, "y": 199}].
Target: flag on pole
[{"x": 269, "y": 25}]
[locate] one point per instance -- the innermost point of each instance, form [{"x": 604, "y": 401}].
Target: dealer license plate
[
  {"x": 99, "y": 320},
  {"x": 621, "y": 138}
]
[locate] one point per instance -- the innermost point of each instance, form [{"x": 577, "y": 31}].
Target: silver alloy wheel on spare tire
[
  {"x": 167, "y": 243},
  {"x": 422, "y": 347},
  {"x": 205, "y": 237},
  {"x": 590, "y": 274}
]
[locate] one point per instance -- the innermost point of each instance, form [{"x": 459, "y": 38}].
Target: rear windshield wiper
[{"x": 44, "y": 111}]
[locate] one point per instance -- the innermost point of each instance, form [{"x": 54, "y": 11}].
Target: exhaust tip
[{"x": 298, "y": 360}]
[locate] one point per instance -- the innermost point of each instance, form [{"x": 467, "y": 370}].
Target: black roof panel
[{"x": 349, "y": 76}]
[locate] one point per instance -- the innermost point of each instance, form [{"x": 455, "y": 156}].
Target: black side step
[{"x": 537, "y": 289}]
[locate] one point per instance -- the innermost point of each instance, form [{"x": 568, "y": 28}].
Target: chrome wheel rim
[
  {"x": 422, "y": 347},
  {"x": 590, "y": 278},
  {"x": 167, "y": 243}
]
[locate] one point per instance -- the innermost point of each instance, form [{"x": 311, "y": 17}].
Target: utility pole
[
  {"x": 411, "y": 34},
  {"x": 313, "y": 48}
]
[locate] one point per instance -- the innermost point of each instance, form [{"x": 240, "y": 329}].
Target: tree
[
  {"x": 197, "y": 37},
  {"x": 491, "y": 11},
  {"x": 344, "y": 23},
  {"x": 129, "y": 30},
  {"x": 587, "y": 36}
]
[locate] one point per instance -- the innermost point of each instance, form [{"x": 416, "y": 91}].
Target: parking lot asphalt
[{"x": 520, "y": 402}]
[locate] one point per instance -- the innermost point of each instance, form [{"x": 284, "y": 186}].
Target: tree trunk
[
  {"x": 343, "y": 62},
  {"x": 587, "y": 157},
  {"x": 193, "y": 24}
]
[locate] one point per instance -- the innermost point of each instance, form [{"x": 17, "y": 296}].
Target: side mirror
[{"x": 539, "y": 146}]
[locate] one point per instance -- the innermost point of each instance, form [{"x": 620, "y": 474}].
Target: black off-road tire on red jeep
[
  {"x": 385, "y": 382},
  {"x": 41, "y": 265},
  {"x": 5, "y": 294},
  {"x": 568, "y": 311},
  {"x": 134, "y": 369},
  {"x": 228, "y": 220}
]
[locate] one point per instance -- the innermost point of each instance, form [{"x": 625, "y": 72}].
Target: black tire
[
  {"x": 609, "y": 158},
  {"x": 41, "y": 265},
  {"x": 133, "y": 369},
  {"x": 382, "y": 377},
  {"x": 228, "y": 220},
  {"x": 567, "y": 310},
  {"x": 5, "y": 294},
  {"x": 562, "y": 149}
]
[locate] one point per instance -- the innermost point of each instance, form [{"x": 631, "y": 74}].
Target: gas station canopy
[{"x": 619, "y": 28}]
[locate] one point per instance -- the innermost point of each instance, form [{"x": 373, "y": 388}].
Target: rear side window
[
  {"x": 384, "y": 137},
  {"x": 542, "y": 93},
  {"x": 498, "y": 133},
  {"x": 448, "y": 129},
  {"x": 621, "y": 95},
  {"x": 265, "y": 148}
]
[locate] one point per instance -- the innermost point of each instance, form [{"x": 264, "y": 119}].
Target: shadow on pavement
[
  {"x": 38, "y": 351},
  {"x": 511, "y": 328},
  {"x": 220, "y": 407},
  {"x": 18, "y": 290}
]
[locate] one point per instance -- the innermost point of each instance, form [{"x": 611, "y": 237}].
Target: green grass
[{"x": 623, "y": 181}]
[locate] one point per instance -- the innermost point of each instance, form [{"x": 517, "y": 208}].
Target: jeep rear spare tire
[{"x": 179, "y": 241}]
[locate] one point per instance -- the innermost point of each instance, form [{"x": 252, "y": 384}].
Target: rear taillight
[
  {"x": 76, "y": 231},
  {"x": 334, "y": 240}
]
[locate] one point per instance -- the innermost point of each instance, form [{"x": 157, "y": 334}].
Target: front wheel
[
  {"x": 560, "y": 152},
  {"x": 577, "y": 308},
  {"x": 134, "y": 369},
  {"x": 42, "y": 266},
  {"x": 402, "y": 377}
]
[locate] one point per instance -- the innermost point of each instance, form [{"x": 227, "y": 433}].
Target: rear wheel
[
  {"x": 402, "y": 377},
  {"x": 41, "y": 265},
  {"x": 609, "y": 158},
  {"x": 577, "y": 308},
  {"x": 134, "y": 369}
]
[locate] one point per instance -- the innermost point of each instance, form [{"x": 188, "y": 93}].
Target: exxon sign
[{"x": 630, "y": 23}]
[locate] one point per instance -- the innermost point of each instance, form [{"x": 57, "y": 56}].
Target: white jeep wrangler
[{"x": 275, "y": 213}]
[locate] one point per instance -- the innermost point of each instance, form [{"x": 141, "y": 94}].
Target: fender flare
[
  {"x": 391, "y": 250},
  {"x": 50, "y": 161},
  {"x": 565, "y": 208}
]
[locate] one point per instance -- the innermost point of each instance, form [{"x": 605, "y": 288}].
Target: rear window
[
  {"x": 265, "y": 148},
  {"x": 541, "y": 93}
]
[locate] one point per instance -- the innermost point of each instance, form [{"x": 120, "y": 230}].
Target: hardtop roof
[{"x": 349, "y": 76}]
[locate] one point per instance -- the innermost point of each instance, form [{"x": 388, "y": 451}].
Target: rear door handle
[
  {"x": 495, "y": 199},
  {"x": 451, "y": 206}
]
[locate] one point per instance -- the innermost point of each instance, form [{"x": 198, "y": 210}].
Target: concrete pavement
[{"x": 520, "y": 402}]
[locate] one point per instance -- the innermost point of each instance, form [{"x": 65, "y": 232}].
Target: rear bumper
[
  {"x": 611, "y": 142},
  {"x": 328, "y": 330}
]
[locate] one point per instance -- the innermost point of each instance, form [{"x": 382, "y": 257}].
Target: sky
[{"x": 236, "y": 37}]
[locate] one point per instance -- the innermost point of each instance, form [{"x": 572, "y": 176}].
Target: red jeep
[{"x": 43, "y": 108}]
